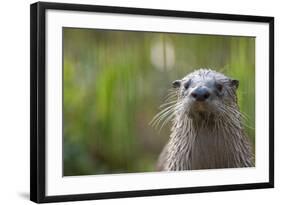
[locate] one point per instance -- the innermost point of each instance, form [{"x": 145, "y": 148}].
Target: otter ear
[
  {"x": 235, "y": 83},
  {"x": 176, "y": 83}
]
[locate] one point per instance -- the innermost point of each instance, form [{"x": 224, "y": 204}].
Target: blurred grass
[{"x": 114, "y": 82}]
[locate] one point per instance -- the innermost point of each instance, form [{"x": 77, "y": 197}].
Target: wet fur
[{"x": 208, "y": 139}]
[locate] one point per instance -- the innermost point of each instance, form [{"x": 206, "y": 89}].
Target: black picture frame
[{"x": 38, "y": 101}]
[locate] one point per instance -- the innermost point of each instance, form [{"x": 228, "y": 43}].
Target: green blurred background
[{"x": 115, "y": 81}]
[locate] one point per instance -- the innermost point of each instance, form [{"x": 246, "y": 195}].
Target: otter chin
[
  {"x": 200, "y": 107},
  {"x": 199, "y": 111},
  {"x": 207, "y": 130}
]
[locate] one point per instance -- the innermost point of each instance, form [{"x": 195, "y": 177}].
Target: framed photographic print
[{"x": 129, "y": 102}]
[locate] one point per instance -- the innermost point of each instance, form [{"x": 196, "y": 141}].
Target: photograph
[
  {"x": 133, "y": 102},
  {"x": 139, "y": 101}
]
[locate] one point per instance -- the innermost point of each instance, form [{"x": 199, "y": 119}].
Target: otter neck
[{"x": 207, "y": 145}]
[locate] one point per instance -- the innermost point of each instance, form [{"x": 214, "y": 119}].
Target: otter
[{"x": 207, "y": 130}]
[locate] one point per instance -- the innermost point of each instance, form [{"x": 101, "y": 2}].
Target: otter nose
[{"x": 200, "y": 94}]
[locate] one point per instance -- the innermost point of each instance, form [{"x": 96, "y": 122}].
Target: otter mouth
[
  {"x": 200, "y": 106},
  {"x": 199, "y": 110}
]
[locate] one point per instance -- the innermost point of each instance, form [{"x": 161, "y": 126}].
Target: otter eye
[
  {"x": 219, "y": 87},
  {"x": 186, "y": 84}
]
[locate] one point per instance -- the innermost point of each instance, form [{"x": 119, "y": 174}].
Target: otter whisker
[
  {"x": 175, "y": 109},
  {"x": 235, "y": 116},
  {"x": 165, "y": 116},
  {"x": 158, "y": 118},
  {"x": 244, "y": 117},
  {"x": 166, "y": 120},
  {"x": 164, "y": 110},
  {"x": 162, "y": 118},
  {"x": 172, "y": 96},
  {"x": 168, "y": 103},
  {"x": 163, "y": 113}
]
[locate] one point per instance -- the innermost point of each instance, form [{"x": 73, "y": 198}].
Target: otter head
[{"x": 205, "y": 94}]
